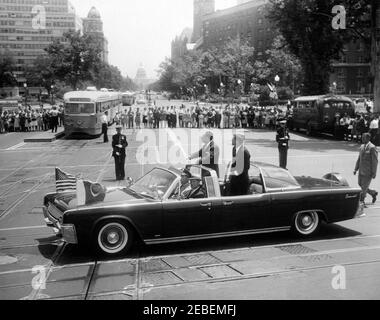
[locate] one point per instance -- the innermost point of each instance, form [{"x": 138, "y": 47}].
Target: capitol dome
[
  {"x": 93, "y": 14},
  {"x": 141, "y": 73}
]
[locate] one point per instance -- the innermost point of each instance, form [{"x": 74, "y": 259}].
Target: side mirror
[{"x": 129, "y": 182}]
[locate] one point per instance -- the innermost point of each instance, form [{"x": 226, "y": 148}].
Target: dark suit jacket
[
  {"x": 241, "y": 161},
  {"x": 368, "y": 161},
  {"x": 198, "y": 193},
  {"x": 209, "y": 156},
  {"x": 122, "y": 140}
]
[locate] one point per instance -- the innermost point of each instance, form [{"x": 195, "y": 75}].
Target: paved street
[{"x": 272, "y": 266}]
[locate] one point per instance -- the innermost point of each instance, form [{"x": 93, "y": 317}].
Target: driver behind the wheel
[
  {"x": 197, "y": 189},
  {"x": 185, "y": 187}
]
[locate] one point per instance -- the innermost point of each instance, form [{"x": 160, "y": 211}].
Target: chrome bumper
[{"x": 52, "y": 220}]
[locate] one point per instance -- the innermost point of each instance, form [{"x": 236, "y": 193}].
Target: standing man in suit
[
  {"x": 367, "y": 167},
  {"x": 241, "y": 163},
  {"x": 119, "y": 145},
  {"x": 282, "y": 139},
  {"x": 209, "y": 154},
  {"x": 104, "y": 121}
]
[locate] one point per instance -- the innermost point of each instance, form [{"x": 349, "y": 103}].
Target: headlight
[{"x": 69, "y": 233}]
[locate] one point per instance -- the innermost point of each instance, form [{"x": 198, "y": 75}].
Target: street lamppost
[
  {"x": 277, "y": 81},
  {"x": 26, "y": 93},
  {"x": 52, "y": 94}
]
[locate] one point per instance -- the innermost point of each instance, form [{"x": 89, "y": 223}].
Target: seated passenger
[
  {"x": 197, "y": 189},
  {"x": 255, "y": 189},
  {"x": 185, "y": 187}
]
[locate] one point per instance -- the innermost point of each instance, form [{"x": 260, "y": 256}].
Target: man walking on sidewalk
[{"x": 367, "y": 167}]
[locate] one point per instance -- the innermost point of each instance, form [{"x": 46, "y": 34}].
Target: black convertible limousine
[{"x": 148, "y": 209}]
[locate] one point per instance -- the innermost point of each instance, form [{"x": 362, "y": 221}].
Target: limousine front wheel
[
  {"x": 113, "y": 238},
  {"x": 306, "y": 223}
]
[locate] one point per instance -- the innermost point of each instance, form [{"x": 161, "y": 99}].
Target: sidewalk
[{"x": 46, "y": 136}]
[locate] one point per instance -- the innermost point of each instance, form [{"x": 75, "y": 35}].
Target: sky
[{"x": 141, "y": 31}]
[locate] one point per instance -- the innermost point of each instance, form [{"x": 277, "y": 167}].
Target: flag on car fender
[
  {"x": 64, "y": 181},
  {"x": 89, "y": 192}
]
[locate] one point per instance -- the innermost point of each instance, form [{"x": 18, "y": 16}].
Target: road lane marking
[
  {"x": 104, "y": 167},
  {"x": 36, "y": 292},
  {"x": 16, "y": 146}
]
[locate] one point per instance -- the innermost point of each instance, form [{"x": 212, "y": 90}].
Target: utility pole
[{"x": 375, "y": 52}]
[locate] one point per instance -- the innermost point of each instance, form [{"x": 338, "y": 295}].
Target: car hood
[
  {"x": 315, "y": 183},
  {"x": 113, "y": 196}
]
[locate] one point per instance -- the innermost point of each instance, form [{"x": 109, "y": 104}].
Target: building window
[
  {"x": 341, "y": 73},
  {"x": 360, "y": 73},
  {"x": 341, "y": 88},
  {"x": 360, "y": 59},
  {"x": 360, "y": 88}
]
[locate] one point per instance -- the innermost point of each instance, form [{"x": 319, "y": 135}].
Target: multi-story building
[
  {"x": 93, "y": 25},
  {"x": 201, "y": 8},
  {"x": 27, "y": 27},
  {"x": 352, "y": 73},
  {"x": 179, "y": 45},
  {"x": 246, "y": 21}
]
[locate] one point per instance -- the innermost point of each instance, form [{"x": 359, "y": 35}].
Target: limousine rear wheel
[
  {"x": 113, "y": 238},
  {"x": 306, "y": 223}
]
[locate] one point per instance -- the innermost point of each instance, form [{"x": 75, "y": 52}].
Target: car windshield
[
  {"x": 278, "y": 178},
  {"x": 155, "y": 184}
]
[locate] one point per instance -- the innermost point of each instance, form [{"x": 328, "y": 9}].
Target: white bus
[{"x": 83, "y": 110}]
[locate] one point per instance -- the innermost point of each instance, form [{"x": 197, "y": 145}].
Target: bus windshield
[{"x": 77, "y": 108}]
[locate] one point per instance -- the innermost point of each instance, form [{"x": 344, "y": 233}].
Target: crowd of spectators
[
  {"x": 199, "y": 116},
  {"x": 30, "y": 119},
  {"x": 352, "y": 128}
]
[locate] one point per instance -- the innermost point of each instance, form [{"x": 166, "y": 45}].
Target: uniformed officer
[
  {"x": 282, "y": 139},
  {"x": 119, "y": 145}
]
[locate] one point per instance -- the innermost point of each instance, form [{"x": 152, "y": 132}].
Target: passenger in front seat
[{"x": 197, "y": 189}]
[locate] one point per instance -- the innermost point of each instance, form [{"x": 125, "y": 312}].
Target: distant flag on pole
[
  {"x": 89, "y": 192},
  {"x": 271, "y": 87},
  {"x": 64, "y": 181}
]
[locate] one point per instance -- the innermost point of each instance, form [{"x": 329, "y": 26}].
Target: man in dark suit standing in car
[
  {"x": 209, "y": 154},
  {"x": 367, "y": 167},
  {"x": 239, "y": 171},
  {"x": 119, "y": 145}
]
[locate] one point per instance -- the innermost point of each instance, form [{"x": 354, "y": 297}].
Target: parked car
[{"x": 150, "y": 210}]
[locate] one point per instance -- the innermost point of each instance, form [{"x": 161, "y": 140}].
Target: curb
[{"x": 46, "y": 139}]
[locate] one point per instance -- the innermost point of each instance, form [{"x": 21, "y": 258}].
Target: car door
[
  {"x": 243, "y": 213},
  {"x": 184, "y": 218}
]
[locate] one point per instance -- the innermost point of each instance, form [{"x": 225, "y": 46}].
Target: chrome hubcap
[
  {"x": 307, "y": 221},
  {"x": 113, "y": 238}
]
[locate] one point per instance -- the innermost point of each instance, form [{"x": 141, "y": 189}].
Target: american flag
[{"x": 64, "y": 181}]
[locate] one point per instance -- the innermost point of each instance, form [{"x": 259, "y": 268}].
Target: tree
[
  {"x": 7, "y": 79},
  {"x": 77, "y": 59},
  {"x": 108, "y": 76},
  {"x": 167, "y": 74},
  {"x": 310, "y": 37},
  {"x": 41, "y": 73},
  {"x": 283, "y": 63}
]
